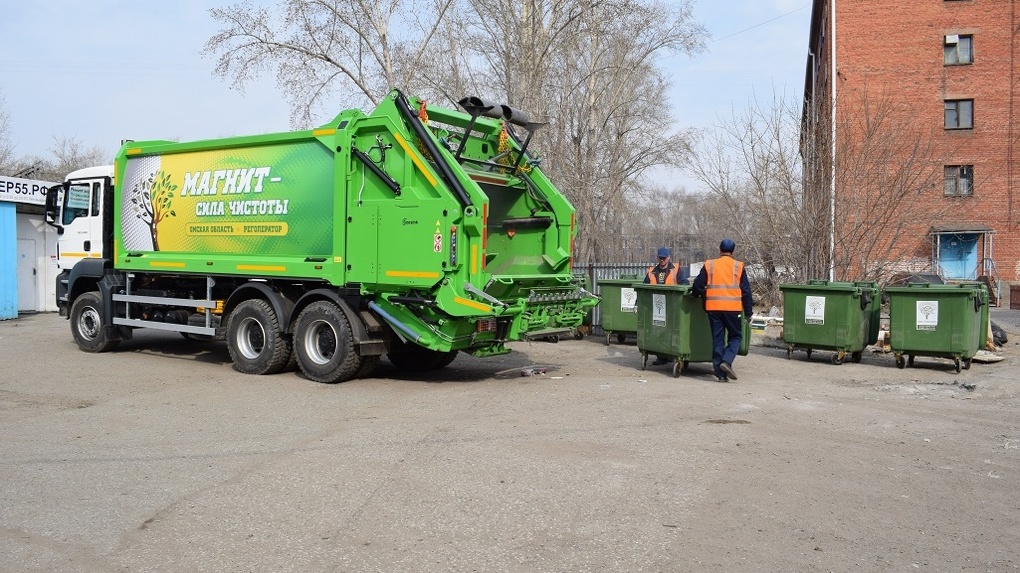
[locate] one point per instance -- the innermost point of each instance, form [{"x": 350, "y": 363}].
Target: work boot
[{"x": 726, "y": 368}]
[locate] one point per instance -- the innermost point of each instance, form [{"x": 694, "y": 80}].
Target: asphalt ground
[{"x": 160, "y": 457}]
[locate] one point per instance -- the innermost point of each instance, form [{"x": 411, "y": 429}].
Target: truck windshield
[{"x": 78, "y": 199}]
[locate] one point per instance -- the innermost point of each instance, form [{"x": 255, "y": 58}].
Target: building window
[
  {"x": 959, "y": 181},
  {"x": 959, "y": 50},
  {"x": 959, "y": 114}
]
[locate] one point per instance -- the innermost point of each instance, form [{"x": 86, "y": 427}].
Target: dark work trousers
[{"x": 726, "y": 338}]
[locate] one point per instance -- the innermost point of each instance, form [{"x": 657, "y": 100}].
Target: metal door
[
  {"x": 958, "y": 256},
  {"x": 82, "y": 221},
  {"x": 28, "y": 276}
]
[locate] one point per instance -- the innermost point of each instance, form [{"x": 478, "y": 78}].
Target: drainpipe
[{"x": 832, "y": 145}]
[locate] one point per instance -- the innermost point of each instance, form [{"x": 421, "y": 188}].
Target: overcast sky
[{"x": 106, "y": 70}]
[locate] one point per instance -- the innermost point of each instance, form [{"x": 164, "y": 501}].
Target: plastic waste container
[
  {"x": 985, "y": 330},
  {"x": 672, "y": 322},
  {"x": 940, "y": 321},
  {"x": 829, "y": 315},
  {"x": 618, "y": 308}
]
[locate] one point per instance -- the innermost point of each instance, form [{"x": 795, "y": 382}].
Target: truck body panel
[{"x": 429, "y": 227}]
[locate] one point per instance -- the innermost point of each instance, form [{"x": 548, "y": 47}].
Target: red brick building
[{"x": 944, "y": 77}]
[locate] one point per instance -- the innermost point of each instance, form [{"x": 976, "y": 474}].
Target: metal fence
[{"x": 607, "y": 271}]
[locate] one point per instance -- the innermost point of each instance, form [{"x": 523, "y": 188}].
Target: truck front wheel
[
  {"x": 324, "y": 344},
  {"x": 87, "y": 324},
  {"x": 254, "y": 340}
]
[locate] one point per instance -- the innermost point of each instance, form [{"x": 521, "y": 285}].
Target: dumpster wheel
[
  {"x": 644, "y": 360},
  {"x": 677, "y": 368},
  {"x": 956, "y": 363},
  {"x": 621, "y": 337},
  {"x": 789, "y": 352},
  {"x": 966, "y": 364},
  {"x": 855, "y": 357},
  {"x": 900, "y": 362},
  {"x": 839, "y": 357}
]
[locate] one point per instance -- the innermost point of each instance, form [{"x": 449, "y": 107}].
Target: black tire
[
  {"x": 966, "y": 364},
  {"x": 414, "y": 358},
  {"x": 956, "y": 364},
  {"x": 900, "y": 362},
  {"x": 578, "y": 334},
  {"x": 838, "y": 358},
  {"x": 677, "y": 367},
  {"x": 621, "y": 337},
  {"x": 809, "y": 353},
  {"x": 87, "y": 324},
  {"x": 855, "y": 357},
  {"x": 910, "y": 360},
  {"x": 254, "y": 340},
  {"x": 367, "y": 367},
  {"x": 324, "y": 344}
]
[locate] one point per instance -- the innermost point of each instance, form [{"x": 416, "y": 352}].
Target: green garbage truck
[{"x": 413, "y": 231}]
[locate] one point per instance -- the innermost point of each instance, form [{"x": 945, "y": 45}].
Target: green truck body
[{"x": 415, "y": 231}]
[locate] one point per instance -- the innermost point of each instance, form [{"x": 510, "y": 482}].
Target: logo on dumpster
[{"x": 927, "y": 314}]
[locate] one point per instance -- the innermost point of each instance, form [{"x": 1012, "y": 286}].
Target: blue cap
[
  {"x": 727, "y": 246},
  {"x": 663, "y": 252}
]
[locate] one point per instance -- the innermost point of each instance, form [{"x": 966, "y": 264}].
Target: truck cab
[{"x": 80, "y": 210}]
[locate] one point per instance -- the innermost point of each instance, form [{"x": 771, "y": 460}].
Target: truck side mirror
[{"x": 52, "y": 209}]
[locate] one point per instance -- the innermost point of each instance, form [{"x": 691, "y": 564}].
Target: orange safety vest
[
  {"x": 670, "y": 276},
  {"x": 722, "y": 292}
]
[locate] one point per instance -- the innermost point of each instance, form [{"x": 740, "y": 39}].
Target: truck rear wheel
[
  {"x": 254, "y": 340},
  {"x": 368, "y": 366},
  {"x": 87, "y": 324},
  {"x": 324, "y": 344}
]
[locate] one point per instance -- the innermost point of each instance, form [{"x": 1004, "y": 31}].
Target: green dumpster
[
  {"x": 828, "y": 315},
  {"x": 672, "y": 322},
  {"x": 941, "y": 321},
  {"x": 618, "y": 308},
  {"x": 985, "y": 331}
]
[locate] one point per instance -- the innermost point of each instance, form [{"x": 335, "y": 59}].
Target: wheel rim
[
  {"x": 320, "y": 342},
  {"x": 251, "y": 338},
  {"x": 88, "y": 323}
]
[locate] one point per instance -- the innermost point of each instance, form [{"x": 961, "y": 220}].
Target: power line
[{"x": 760, "y": 24}]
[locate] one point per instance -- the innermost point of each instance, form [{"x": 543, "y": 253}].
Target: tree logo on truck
[{"x": 151, "y": 200}]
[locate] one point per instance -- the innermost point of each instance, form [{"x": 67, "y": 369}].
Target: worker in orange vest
[
  {"x": 727, "y": 293},
  {"x": 666, "y": 273}
]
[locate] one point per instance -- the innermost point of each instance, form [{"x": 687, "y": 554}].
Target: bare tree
[
  {"x": 71, "y": 154},
  {"x": 591, "y": 67},
  {"x": 6, "y": 145},
  {"x": 326, "y": 51},
  {"x": 888, "y": 187},
  {"x": 611, "y": 112},
  {"x": 887, "y": 171},
  {"x": 751, "y": 167}
]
